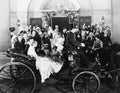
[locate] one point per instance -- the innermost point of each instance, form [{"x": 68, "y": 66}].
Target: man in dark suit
[
  {"x": 72, "y": 44},
  {"x": 19, "y": 45}
]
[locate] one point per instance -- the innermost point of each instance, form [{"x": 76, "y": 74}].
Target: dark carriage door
[
  {"x": 85, "y": 19},
  {"x": 36, "y": 21},
  {"x": 61, "y": 22}
]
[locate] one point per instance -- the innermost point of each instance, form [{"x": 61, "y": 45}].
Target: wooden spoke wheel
[
  {"x": 17, "y": 78},
  {"x": 86, "y": 82}
]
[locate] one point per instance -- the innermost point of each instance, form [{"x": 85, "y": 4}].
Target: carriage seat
[{"x": 13, "y": 54}]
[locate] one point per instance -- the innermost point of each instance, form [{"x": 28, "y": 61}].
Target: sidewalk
[{"x": 3, "y": 58}]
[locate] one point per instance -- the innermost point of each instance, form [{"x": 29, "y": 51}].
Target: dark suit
[
  {"x": 20, "y": 46},
  {"x": 73, "y": 44}
]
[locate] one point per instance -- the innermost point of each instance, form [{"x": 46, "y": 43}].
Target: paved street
[{"x": 53, "y": 85}]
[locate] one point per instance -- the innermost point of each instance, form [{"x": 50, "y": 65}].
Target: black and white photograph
[{"x": 59, "y": 46}]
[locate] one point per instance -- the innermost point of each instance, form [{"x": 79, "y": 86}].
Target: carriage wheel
[
  {"x": 17, "y": 78},
  {"x": 86, "y": 82}
]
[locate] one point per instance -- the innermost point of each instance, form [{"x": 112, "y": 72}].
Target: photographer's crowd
[{"x": 47, "y": 45}]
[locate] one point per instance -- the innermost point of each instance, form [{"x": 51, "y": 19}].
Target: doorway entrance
[{"x": 61, "y": 22}]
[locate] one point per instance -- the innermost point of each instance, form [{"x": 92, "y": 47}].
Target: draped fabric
[{"x": 45, "y": 65}]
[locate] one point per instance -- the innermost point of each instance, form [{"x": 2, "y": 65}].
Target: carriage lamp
[
  {"x": 72, "y": 64},
  {"x": 71, "y": 60},
  {"x": 70, "y": 57}
]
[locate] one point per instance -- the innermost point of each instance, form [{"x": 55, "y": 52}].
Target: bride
[{"x": 45, "y": 65}]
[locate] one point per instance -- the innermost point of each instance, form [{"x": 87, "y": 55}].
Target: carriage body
[
  {"x": 19, "y": 75},
  {"x": 23, "y": 70}
]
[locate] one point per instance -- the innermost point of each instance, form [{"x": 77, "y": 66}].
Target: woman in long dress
[{"x": 45, "y": 65}]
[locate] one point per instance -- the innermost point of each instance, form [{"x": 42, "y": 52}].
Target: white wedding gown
[{"x": 45, "y": 65}]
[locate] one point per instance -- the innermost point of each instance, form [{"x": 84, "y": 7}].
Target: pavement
[
  {"x": 52, "y": 86},
  {"x": 3, "y": 58}
]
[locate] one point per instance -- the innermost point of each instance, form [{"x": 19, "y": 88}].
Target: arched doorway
[
  {"x": 55, "y": 12},
  {"x": 91, "y": 11}
]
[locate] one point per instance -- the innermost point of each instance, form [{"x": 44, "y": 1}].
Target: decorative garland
[{"x": 72, "y": 14}]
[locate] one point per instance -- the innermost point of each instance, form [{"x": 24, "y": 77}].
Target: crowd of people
[{"x": 51, "y": 43}]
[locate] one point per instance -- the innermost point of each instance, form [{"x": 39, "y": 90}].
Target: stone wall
[
  {"x": 4, "y": 25},
  {"x": 116, "y": 20}
]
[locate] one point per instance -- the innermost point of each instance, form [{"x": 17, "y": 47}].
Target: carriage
[{"x": 21, "y": 75}]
